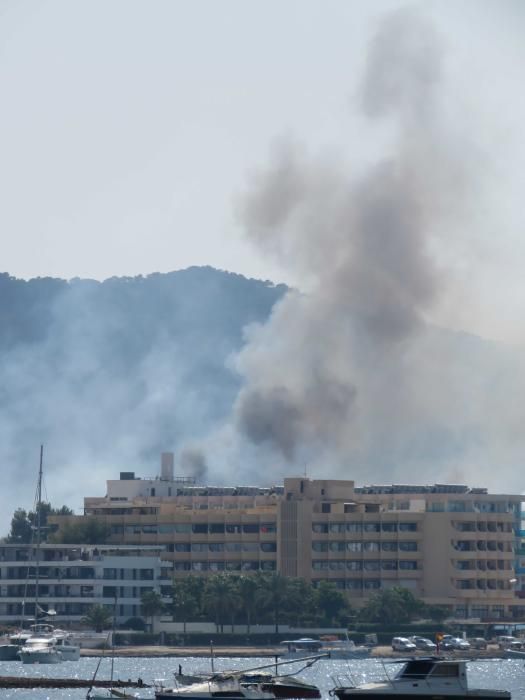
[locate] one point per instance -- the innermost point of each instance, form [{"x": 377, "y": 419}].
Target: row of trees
[
  {"x": 258, "y": 599},
  {"x": 229, "y": 599}
]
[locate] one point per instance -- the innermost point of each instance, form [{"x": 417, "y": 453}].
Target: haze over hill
[{"x": 108, "y": 375}]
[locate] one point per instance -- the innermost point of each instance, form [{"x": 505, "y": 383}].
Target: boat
[
  {"x": 219, "y": 686},
  {"x": 8, "y": 651},
  {"x": 332, "y": 648},
  {"x": 44, "y": 644},
  {"x": 40, "y": 649},
  {"x": 431, "y": 677},
  {"x": 281, "y": 686}
]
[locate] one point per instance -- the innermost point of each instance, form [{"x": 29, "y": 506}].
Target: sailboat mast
[{"x": 38, "y": 528}]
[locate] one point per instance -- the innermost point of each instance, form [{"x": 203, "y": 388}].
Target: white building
[{"x": 72, "y": 578}]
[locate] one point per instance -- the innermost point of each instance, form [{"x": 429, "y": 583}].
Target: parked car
[
  {"x": 423, "y": 643},
  {"x": 507, "y": 642},
  {"x": 478, "y": 643},
  {"x": 451, "y": 643},
  {"x": 403, "y": 644}
]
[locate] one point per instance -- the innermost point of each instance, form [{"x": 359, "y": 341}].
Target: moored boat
[
  {"x": 423, "y": 678},
  {"x": 285, "y": 686},
  {"x": 333, "y": 648},
  {"x": 219, "y": 686},
  {"x": 40, "y": 649}
]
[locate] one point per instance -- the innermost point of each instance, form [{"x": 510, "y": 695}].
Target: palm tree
[
  {"x": 151, "y": 604},
  {"x": 247, "y": 589},
  {"x": 184, "y": 602},
  {"x": 221, "y": 597},
  {"x": 273, "y": 595},
  {"x": 98, "y": 617}
]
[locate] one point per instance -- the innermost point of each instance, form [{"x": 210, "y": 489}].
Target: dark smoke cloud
[
  {"x": 193, "y": 463},
  {"x": 350, "y": 376}
]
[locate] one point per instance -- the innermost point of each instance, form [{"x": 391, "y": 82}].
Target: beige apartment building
[{"x": 449, "y": 544}]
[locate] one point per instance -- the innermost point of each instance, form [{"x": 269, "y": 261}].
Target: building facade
[
  {"x": 73, "y": 578},
  {"x": 451, "y": 545}
]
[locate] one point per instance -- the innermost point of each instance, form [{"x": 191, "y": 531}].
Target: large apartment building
[
  {"x": 73, "y": 578},
  {"x": 450, "y": 544}
]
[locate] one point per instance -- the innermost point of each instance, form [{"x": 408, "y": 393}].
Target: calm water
[{"x": 503, "y": 675}]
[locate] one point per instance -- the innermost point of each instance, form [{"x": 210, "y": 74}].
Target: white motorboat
[
  {"x": 422, "y": 678},
  {"x": 65, "y": 645},
  {"x": 40, "y": 649},
  {"x": 215, "y": 687}
]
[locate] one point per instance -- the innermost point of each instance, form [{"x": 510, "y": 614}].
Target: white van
[{"x": 403, "y": 644}]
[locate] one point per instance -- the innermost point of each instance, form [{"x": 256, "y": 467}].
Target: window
[
  {"x": 268, "y": 528},
  {"x": 407, "y": 527},
  {"x": 233, "y": 529},
  {"x": 372, "y": 565},
  {"x": 250, "y": 546},
  {"x": 389, "y": 546},
  {"x": 354, "y": 546},
  {"x": 216, "y": 546},
  {"x": 268, "y": 547},
  {"x": 354, "y": 585},
  {"x": 232, "y": 565},
  {"x": 182, "y": 527},
  {"x": 337, "y": 546},
  {"x": 233, "y": 546},
  {"x": 250, "y": 528},
  {"x": 337, "y": 565},
  {"x": 389, "y": 527},
  {"x": 199, "y": 547},
  {"x": 182, "y": 546},
  {"x": 337, "y": 527},
  {"x": 268, "y": 566},
  {"x": 354, "y": 565},
  {"x": 408, "y": 565},
  {"x": 320, "y": 546},
  {"x": 326, "y": 507},
  {"x": 181, "y": 565},
  {"x": 320, "y": 528},
  {"x": 216, "y": 528},
  {"x": 370, "y": 546},
  {"x": 408, "y": 546},
  {"x": 371, "y": 527},
  {"x": 389, "y": 565},
  {"x": 199, "y": 528},
  {"x": 216, "y": 566},
  {"x": 319, "y": 565},
  {"x": 354, "y": 527}
]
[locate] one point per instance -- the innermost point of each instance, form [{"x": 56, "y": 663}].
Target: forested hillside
[{"x": 114, "y": 372}]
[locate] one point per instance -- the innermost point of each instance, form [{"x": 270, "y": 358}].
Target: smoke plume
[{"x": 351, "y": 377}]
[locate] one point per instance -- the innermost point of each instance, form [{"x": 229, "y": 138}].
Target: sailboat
[{"x": 45, "y": 644}]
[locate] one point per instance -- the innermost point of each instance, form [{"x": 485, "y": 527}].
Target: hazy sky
[{"x": 128, "y": 130}]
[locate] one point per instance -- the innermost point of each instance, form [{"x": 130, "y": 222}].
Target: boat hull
[
  {"x": 9, "y": 652},
  {"x": 419, "y": 694},
  {"x": 385, "y": 695},
  {"x": 42, "y": 657}
]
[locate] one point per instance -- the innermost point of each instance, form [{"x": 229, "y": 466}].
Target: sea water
[{"x": 504, "y": 674}]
